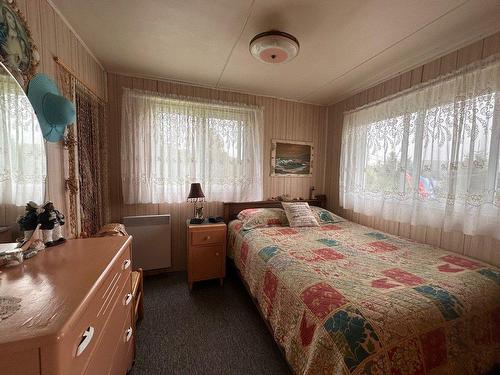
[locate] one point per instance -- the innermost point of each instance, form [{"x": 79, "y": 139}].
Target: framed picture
[
  {"x": 291, "y": 158},
  {"x": 17, "y": 50}
]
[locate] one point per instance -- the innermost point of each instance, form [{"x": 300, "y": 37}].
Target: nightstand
[{"x": 206, "y": 252}]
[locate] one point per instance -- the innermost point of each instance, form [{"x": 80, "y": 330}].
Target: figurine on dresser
[
  {"x": 29, "y": 221},
  {"x": 51, "y": 221}
]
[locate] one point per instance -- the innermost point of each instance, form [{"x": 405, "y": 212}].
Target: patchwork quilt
[{"x": 346, "y": 299}]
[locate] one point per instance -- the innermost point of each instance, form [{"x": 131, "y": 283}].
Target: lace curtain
[
  {"x": 429, "y": 156},
  {"x": 169, "y": 142},
  {"x": 23, "y": 169}
]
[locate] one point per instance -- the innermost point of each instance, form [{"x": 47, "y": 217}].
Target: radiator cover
[{"x": 151, "y": 243}]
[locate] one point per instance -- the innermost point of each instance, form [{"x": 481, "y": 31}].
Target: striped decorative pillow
[{"x": 299, "y": 214}]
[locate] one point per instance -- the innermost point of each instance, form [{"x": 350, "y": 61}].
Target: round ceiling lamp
[{"x": 274, "y": 47}]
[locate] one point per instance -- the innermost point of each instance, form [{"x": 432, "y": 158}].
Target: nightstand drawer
[
  {"x": 206, "y": 262},
  {"x": 209, "y": 236}
]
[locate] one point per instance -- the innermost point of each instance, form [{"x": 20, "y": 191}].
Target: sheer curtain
[
  {"x": 169, "y": 142},
  {"x": 429, "y": 156},
  {"x": 23, "y": 167}
]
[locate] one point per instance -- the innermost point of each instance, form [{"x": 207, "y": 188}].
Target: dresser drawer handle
[
  {"x": 126, "y": 264},
  {"x": 127, "y": 299},
  {"x": 86, "y": 339},
  {"x": 216, "y": 254},
  {"x": 207, "y": 238},
  {"x": 128, "y": 334}
]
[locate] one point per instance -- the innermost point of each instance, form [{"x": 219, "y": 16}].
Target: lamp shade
[{"x": 195, "y": 192}]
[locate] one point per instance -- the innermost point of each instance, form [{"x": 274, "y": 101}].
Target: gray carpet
[{"x": 212, "y": 330}]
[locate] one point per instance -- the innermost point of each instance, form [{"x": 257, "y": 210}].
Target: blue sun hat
[{"x": 54, "y": 111}]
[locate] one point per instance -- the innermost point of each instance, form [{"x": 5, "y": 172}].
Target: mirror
[{"x": 23, "y": 168}]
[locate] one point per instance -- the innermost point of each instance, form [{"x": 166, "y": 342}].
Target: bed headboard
[{"x": 231, "y": 209}]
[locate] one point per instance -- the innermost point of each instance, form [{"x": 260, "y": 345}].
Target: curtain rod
[{"x": 70, "y": 71}]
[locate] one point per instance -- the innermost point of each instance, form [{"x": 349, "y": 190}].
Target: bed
[{"x": 343, "y": 298}]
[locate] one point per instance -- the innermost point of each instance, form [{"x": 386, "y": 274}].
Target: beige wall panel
[
  {"x": 433, "y": 236},
  {"x": 491, "y": 45},
  {"x": 416, "y": 76},
  {"x": 391, "y": 227},
  {"x": 431, "y": 70},
  {"x": 470, "y": 53},
  {"x": 392, "y": 86},
  {"x": 448, "y": 63}
]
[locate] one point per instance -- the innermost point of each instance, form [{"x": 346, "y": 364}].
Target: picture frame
[
  {"x": 18, "y": 51},
  {"x": 291, "y": 158}
]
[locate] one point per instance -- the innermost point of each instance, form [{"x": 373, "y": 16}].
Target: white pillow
[{"x": 299, "y": 214}]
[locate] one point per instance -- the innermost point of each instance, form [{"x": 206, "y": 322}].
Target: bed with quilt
[{"x": 342, "y": 298}]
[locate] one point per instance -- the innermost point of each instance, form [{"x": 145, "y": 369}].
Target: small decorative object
[
  {"x": 112, "y": 229},
  {"x": 274, "y": 47},
  {"x": 29, "y": 221},
  {"x": 291, "y": 158},
  {"x": 51, "y": 221},
  {"x": 196, "y": 196},
  {"x": 10, "y": 254},
  {"x": 35, "y": 247},
  {"x": 17, "y": 49},
  {"x": 312, "y": 194},
  {"x": 54, "y": 111}
]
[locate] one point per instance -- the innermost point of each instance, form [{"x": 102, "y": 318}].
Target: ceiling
[{"x": 346, "y": 45}]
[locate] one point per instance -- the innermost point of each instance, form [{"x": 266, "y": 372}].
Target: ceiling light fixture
[{"x": 274, "y": 47}]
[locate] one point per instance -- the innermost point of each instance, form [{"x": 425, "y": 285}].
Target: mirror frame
[{"x": 21, "y": 75}]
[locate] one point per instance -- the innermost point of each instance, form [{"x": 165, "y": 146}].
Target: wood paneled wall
[
  {"x": 53, "y": 37},
  {"x": 478, "y": 246},
  {"x": 282, "y": 120}
]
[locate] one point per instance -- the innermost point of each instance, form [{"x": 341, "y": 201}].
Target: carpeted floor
[{"x": 212, "y": 330}]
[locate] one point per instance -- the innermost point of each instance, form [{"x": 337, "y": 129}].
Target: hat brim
[
  {"x": 38, "y": 87},
  {"x": 53, "y": 133}
]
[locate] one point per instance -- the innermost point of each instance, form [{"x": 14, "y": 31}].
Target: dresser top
[{"x": 54, "y": 285}]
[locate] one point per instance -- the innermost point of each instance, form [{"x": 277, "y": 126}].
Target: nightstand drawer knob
[
  {"x": 207, "y": 238},
  {"x": 216, "y": 254}
]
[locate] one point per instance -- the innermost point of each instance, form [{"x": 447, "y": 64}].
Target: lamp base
[{"x": 196, "y": 221}]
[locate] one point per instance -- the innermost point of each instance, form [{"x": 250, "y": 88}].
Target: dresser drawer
[
  {"x": 80, "y": 339},
  {"x": 209, "y": 236},
  {"x": 114, "y": 331},
  {"x": 107, "y": 293},
  {"x": 206, "y": 262},
  {"x": 124, "y": 353}
]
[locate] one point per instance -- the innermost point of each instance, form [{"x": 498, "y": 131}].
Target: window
[
  {"x": 169, "y": 142},
  {"x": 23, "y": 167},
  {"x": 430, "y": 156}
]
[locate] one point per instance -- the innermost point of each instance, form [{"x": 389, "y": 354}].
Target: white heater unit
[{"x": 151, "y": 244}]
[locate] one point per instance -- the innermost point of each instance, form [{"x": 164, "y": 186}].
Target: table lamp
[{"x": 196, "y": 195}]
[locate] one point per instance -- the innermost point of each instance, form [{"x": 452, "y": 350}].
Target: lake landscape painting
[{"x": 291, "y": 158}]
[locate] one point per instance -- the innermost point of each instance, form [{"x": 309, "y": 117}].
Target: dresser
[
  {"x": 75, "y": 310},
  {"x": 206, "y": 252}
]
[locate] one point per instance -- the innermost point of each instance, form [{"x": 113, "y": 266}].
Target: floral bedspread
[{"x": 347, "y": 299}]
